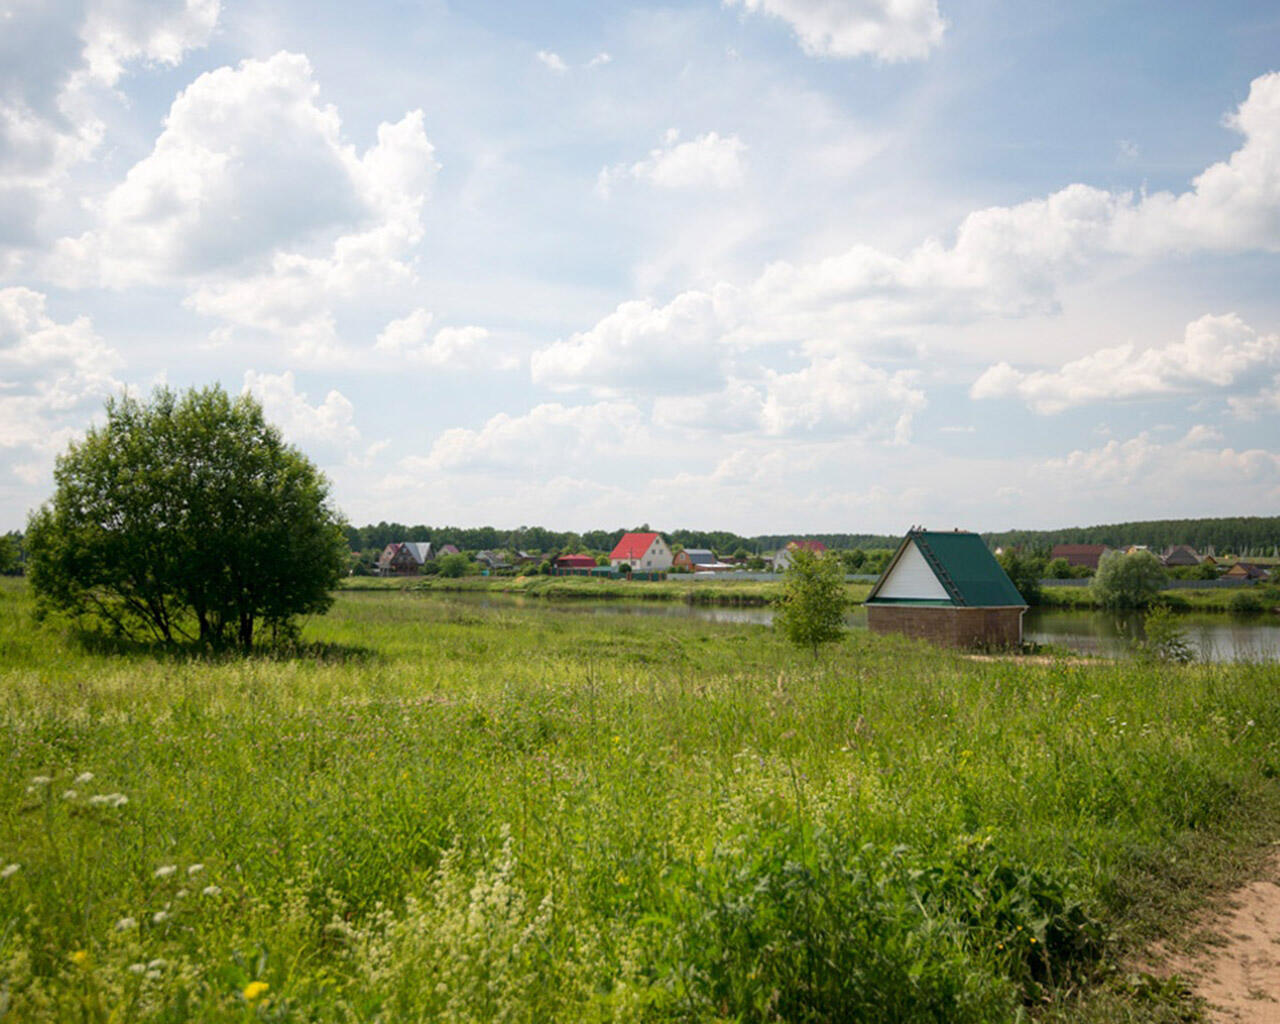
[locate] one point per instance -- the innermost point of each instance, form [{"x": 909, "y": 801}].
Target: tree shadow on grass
[{"x": 321, "y": 652}]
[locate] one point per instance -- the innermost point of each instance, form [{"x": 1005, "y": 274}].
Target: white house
[{"x": 644, "y": 552}]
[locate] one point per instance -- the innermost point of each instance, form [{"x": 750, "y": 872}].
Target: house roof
[
  {"x": 421, "y": 550},
  {"x": 576, "y": 561},
  {"x": 700, "y": 556},
  {"x": 816, "y": 546},
  {"x": 449, "y": 549},
  {"x": 967, "y": 570},
  {"x": 633, "y": 545}
]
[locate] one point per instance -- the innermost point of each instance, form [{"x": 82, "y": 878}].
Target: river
[{"x": 1213, "y": 636}]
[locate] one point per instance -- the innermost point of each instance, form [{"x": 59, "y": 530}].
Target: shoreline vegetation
[
  {"x": 467, "y": 813},
  {"x": 740, "y": 593}
]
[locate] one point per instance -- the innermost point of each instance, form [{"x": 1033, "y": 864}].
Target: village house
[
  {"x": 1245, "y": 571},
  {"x": 1084, "y": 555},
  {"x": 574, "y": 562},
  {"x": 404, "y": 558},
  {"x": 643, "y": 552},
  {"x": 1180, "y": 554},
  {"x": 947, "y": 588},
  {"x": 782, "y": 560}
]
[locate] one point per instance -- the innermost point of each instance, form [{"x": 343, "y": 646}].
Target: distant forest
[{"x": 1245, "y": 536}]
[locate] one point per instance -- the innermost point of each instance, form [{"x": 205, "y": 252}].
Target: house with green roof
[{"x": 946, "y": 587}]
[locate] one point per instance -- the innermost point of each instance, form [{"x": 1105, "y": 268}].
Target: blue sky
[{"x": 760, "y": 265}]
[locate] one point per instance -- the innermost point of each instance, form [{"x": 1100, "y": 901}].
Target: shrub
[
  {"x": 1245, "y": 602},
  {"x": 1166, "y": 639},
  {"x": 811, "y": 606},
  {"x": 1128, "y": 580}
]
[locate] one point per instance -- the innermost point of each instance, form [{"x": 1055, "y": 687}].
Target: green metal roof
[{"x": 964, "y": 566}]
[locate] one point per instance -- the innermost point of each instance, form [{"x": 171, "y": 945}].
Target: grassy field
[{"x": 437, "y": 812}]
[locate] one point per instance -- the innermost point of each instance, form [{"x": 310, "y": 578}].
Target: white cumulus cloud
[
  {"x": 449, "y": 348},
  {"x": 1217, "y": 352},
  {"x": 709, "y": 161},
  {"x": 887, "y": 29},
  {"x": 553, "y": 61},
  {"x": 332, "y": 421}
]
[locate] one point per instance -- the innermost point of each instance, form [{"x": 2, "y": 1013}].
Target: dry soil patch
[{"x": 1236, "y": 970}]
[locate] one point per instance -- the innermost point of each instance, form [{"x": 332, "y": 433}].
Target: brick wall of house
[{"x": 949, "y": 627}]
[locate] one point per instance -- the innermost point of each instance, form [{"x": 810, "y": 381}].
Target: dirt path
[{"x": 1237, "y": 970}]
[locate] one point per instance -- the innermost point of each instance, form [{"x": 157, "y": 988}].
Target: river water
[{"x": 1213, "y": 636}]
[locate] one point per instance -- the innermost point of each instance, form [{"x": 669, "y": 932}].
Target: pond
[{"x": 1213, "y": 636}]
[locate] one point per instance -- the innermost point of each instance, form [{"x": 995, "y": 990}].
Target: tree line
[{"x": 1240, "y": 535}]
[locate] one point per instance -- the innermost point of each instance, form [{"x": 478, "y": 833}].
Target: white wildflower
[
  {"x": 160, "y": 917},
  {"x": 179, "y": 894},
  {"x": 69, "y": 794},
  {"x": 165, "y": 870},
  {"x": 41, "y": 780},
  {"x": 108, "y": 800},
  {"x": 9, "y": 869},
  {"x": 137, "y": 968},
  {"x": 126, "y": 924},
  {"x": 157, "y": 964},
  {"x": 195, "y": 869},
  {"x": 83, "y": 778},
  {"x": 211, "y": 890}
]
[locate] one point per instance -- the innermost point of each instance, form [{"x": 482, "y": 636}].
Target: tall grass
[{"x": 438, "y": 812}]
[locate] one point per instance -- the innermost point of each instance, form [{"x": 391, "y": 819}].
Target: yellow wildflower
[
  {"x": 255, "y": 990},
  {"x": 80, "y": 958}
]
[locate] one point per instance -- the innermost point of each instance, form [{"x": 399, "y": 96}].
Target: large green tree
[
  {"x": 810, "y": 609},
  {"x": 183, "y": 518}
]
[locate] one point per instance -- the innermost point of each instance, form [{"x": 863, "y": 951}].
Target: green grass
[
  {"x": 434, "y": 811},
  {"x": 1209, "y": 600}
]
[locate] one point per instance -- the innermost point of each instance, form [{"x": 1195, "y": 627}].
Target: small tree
[
  {"x": 452, "y": 566},
  {"x": 810, "y": 609},
  {"x": 186, "y": 518},
  {"x": 1025, "y": 572},
  {"x": 1128, "y": 580}
]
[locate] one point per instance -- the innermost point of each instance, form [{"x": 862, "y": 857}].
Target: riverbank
[{"x": 1081, "y": 598}]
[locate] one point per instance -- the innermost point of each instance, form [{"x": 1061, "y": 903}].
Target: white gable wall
[{"x": 913, "y": 580}]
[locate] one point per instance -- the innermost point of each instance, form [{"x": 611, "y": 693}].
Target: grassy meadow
[{"x": 437, "y": 812}]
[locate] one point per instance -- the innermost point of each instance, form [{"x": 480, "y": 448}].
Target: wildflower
[
  {"x": 179, "y": 894},
  {"x": 210, "y": 890},
  {"x": 255, "y": 990},
  {"x": 165, "y": 870},
  {"x": 80, "y": 958},
  {"x": 126, "y": 923},
  {"x": 9, "y": 869},
  {"x": 41, "y": 780},
  {"x": 108, "y": 800},
  {"x": 160, "y": 917},
  {"x": 83, "y": 778},
  {"x": 157, "y": 964},
  {"x": 195, "y": 869},
  {"x": 137, "y": 968},
  {"x": 69, "y": 794}
]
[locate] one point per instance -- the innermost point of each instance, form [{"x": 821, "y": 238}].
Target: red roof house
[
  {"x": 1079, "y": 554},
  {"x": 575, "y": 562},
  {"x": 646, "y": 552}
]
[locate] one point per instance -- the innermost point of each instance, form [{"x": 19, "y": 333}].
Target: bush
[
  {"x": 1128, "y": 580},
  {"x": 1025, "y": 571},
  {"x": 1245, "y": 602},
  {"x": 1166, "y": 639},
  {"x": 452, "y": 566},
  {"x": 811, "y": 606}
]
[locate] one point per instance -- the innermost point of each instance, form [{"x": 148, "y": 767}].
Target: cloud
[
  {"x": 888, "y": 29},
  {"x": 51, "y": 375},
  {"x": 1190, "y": 465},
  {"x": 599, "y": 59},
  {"x": 331, "y": 422},
  {"x": 833, "y": 396},
  {"x": 253, "y": 199},
  {"x": 1004, "y": 261},
  {"x": 1217, "y": 352},
  {"x": 548, "y": 436},
  {"x": 553, "y": 61},
  {"x": 709, "y": 161},
  {"x": 451, "y": 348},
  {"x": 54, "y": 58}
]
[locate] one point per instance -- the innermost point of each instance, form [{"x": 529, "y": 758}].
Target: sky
[{"x": 766, "y": 266}]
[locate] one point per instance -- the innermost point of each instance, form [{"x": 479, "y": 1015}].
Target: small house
[
  {"x": 947, "y": 588},
  {"x": 1084, "y": 555},
  {"x": 403, "y": 558},
  {"x": 575, "y": 562},
  {"x": 1180, "y": 554},
  {"x": 1245, "y": 571},
  {"x": 643, "y": 552},
  {"x": 782, "y": 560}
]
